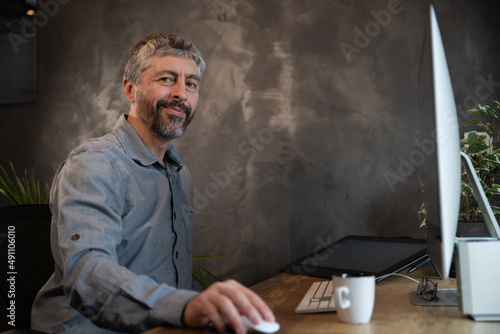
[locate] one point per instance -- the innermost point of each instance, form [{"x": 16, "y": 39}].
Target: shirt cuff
[{"x": 170, "y": 309}]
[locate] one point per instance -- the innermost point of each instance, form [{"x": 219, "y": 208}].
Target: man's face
[{"x": 167, "y": 95}]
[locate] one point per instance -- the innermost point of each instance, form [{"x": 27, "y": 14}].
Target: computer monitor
[{"x": 440, "y": 140}]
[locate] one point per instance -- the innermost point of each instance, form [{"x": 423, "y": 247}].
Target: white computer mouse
[{"x": 265, "y": 327}]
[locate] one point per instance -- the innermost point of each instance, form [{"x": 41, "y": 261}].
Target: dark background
[{"x": 294, "y": 144}]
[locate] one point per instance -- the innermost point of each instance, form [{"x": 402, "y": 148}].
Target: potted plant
[
  {"x": 482, "y": 147},
  {"x": 24, "y": 243}
]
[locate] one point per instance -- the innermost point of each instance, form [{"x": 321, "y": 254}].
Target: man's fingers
[
  {"x": 218, "y": 321},
  {"x": 264, "y": 311},
  {"x": 224, "y": 303},
  {"x": 227, "y": 312},
  {"x": 216, "y": 308},
  {"x": 249, "y": 303}
]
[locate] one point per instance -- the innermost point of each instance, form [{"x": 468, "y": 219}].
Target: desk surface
[{"x": 393, "y": 311}]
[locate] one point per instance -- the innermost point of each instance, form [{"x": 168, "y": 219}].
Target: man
[{"x": 122, "y": 226}]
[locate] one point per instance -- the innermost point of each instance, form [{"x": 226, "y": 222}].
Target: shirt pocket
[{"x": 187, "y": 213}]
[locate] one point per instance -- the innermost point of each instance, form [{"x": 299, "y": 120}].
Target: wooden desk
[{"x": 393, "y": 311}]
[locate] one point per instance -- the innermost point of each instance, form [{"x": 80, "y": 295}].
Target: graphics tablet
[{"x": 361, "y": 255}]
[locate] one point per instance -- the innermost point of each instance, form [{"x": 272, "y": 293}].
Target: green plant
[
  {"x": 202, "y": 275},
  {"x": 482, "y": 147},
  {"x": 422, "y": 215},
  {"x": 483, "y": 150},
  {"x": 23, "y": 190}
]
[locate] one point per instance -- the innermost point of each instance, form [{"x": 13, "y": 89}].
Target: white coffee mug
[{"x": 354, "y": 298}]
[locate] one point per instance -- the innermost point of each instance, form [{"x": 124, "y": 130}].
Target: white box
[{"x": 478, "y": 278}]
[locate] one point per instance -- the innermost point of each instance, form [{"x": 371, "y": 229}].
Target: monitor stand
[{"x": 445, "y": 297}]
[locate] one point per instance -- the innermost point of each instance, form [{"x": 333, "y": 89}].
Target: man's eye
[
  {"x": 192, "y": 85},
  {"x": 167, "y": 79}
]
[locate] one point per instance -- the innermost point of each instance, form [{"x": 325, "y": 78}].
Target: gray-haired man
[{"x": 122, "y": 226}]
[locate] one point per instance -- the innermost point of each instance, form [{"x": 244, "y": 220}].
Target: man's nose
[{"x": 178, "y": 91}]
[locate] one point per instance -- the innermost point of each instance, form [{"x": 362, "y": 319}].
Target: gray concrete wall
[{"x": 306, "y": 109}]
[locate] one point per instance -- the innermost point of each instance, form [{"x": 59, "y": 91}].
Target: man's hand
[{"x": 226, "y": 301}]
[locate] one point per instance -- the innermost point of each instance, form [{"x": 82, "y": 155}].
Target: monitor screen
[
  {"x": 361, "y": 255},
  {"x": 441, "y": 141}
]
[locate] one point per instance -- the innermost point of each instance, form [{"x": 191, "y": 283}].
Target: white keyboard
[{"x": 319, "y": 298}]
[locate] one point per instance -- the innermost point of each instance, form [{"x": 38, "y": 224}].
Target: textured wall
[{"x": 307, "y": 109}]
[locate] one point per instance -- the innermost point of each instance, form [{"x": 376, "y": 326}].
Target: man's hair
[{"x": 139, "y": 57}]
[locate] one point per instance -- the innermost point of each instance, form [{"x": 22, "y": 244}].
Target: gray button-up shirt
[{"x": 122, "y": 239}]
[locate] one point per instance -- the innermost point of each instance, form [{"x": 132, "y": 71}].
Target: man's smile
[
  {"x": 175, "y": 111},
  {"x": 178, "y": 109}
]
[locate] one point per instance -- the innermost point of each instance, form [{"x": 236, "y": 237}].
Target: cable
[{"x": 396, "y": 274}]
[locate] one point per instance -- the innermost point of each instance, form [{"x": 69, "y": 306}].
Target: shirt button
[
  {"x": 176, "y": 255},
  {"x": 175, "y": 215}
]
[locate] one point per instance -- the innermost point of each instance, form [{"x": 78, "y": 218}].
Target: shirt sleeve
[{"x": 88, "y": 203}]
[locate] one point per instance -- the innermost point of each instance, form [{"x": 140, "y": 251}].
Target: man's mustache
[{"x": 175, "y": 104}]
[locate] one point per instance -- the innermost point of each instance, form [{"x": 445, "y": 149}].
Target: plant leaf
[
  {"x": 22, "y": 190},
  {"x": 485, "y": 113},
  {"x": 472, "y": 138},
  {"x": 471, "y": 122},
  {"x": 474, "y": 111},
  {"x": 478, "y": 148},
  {"x": 210, "y": 256}
]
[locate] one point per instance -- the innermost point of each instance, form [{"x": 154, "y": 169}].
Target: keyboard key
[
  {"x": 319, "y": 298},
  {"x": 321, "y": 290}
]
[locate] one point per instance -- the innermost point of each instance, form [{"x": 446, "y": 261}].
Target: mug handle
[{"x": 341, "y": 294}]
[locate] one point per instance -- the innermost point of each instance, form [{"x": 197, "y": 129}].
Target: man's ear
[{"x": 129, "y": 90}]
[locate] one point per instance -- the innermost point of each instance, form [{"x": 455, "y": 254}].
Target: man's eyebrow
[
  {"x": 194, "y": 77},
  {"x": 175, "y": 74}
]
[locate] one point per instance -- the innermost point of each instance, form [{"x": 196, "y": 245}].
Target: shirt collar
[{"x": 137, "y": 150}]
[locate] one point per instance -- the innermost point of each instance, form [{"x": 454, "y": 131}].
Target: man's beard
[{"x": 151, "y": 115}]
